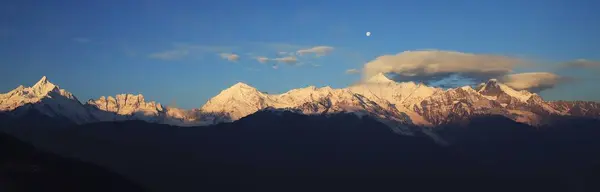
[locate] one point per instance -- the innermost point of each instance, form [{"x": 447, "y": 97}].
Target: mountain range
[
  {"x": 399, "y": 104},
  {"x": 375, "y": 135}
]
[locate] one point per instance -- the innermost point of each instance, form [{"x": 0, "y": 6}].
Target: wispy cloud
[
  {"x": 230, "y": 56},
  {"x": 205, "y": 48},
  {"x": 352, "y": 71},
  {"x": 275, "y": 47},
  {"x": 582, "y": 63},
  {"x": 318, "y": 50},
  {"x": 181, "y": 50},
  {"x": 262, "y": 52},
  {"x": 262, "y": 59},
  {"x": 170, "y": 55},
  {"x": 81, "y": 40},
  {"x": 287, "y": 60}
]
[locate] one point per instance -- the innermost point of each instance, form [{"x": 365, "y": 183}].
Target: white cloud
[
  {"x": 287, "y": 60},
  {"x": 582, "y": 63},
  {"x": 533, "y": 82},
  {"x": 170, "y": 55},
  {"x": 274, "y": 47},
  {"x": 81, "y": 40},
  {"x": 318, "y": 50},
  {"x": 230, "y": 56},
  {"x": 181, "y": 50},
  {"x": 262, "y": 59},
  {"x": 431, "y": 65},
  {"x": 352, "y": 71}
]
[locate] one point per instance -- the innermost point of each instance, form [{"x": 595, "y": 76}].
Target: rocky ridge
[{"x": 403, "y": 103}]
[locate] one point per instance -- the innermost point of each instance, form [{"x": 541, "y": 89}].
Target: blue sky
[{"x": 170, "y": 50}]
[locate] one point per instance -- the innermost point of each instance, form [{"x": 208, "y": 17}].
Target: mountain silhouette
[
  {"x": 376, "y": 136},
  {"x": 280, "y": 150},
  {"x": 25, "y": 168}
]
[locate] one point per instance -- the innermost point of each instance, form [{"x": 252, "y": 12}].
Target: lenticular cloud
[
  {"x": 428, "y": 65},
  {"x": 533, "y": 82}
]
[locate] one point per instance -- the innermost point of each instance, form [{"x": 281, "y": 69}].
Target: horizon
[{"x": 186, "y": 53}]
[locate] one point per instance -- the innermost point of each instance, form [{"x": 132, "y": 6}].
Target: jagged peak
[
  {"x": 493, "y": 88},
  {"x": 129, "y": 95},
  {"x": 126, "y": 98},
  {"x": 491, "y": 85},
  {"x": 379, "y": 78},
  {"x": 467, "y": 88},
  {"x": 43, "y": 80},
  {"x": 43, "y": 86},
  {"x": 121, "y": 96}
]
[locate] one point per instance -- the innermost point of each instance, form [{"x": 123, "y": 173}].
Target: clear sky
[{"x": 170, "y": 51}]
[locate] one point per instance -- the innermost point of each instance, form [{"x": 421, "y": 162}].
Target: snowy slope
[
  {"x": 403, "y": 95},
  {"x": 404, "y": 102},
  {"x": 398, "y": 103},
  {"x": 241, "y": 100},
  {"x": 124, "y": 105},
  {"x": 238, "y": 101},
  {"x": 46, "y": 98},
  {"x": 135, "y": 107}
]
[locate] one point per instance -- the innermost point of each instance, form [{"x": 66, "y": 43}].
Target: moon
[{"x": 368, "y": 33}]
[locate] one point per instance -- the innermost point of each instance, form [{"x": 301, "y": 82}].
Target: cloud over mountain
[
  {"x": 533, "y": 82},
  {"x": 432, "y": 65}
]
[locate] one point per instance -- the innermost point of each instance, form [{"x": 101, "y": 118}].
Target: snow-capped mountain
[
  {"x": 124, "y": 105},
  {"x": 404, "y": 96},
  {"x": 577, "y": 108},
  {"x": 135, "y": 107},
  {"x": 491, "y": 97},
  {"x": 47, "y": 99},
  {"x": 242, "y": 100},
  {"x": 394, "y": 103}
]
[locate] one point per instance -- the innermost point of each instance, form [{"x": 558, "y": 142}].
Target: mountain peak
[
  {"x": 379, "y": 78},
  {"x": 492, "y": 88},
  {"x": 42, "y": 82},
  {"x": 43, "y": 86},
  {"x": 241, "y": 85},
  {"x": 43, "y": 79},
  {"x": 238, "y": 90}
]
